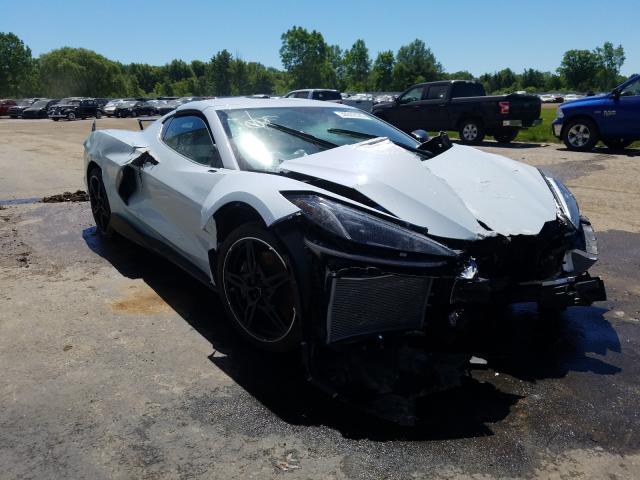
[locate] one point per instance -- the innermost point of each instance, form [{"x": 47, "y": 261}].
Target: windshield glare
[
  {"x": 261, "y": 147},
  {"x": 40, "y": 104}
]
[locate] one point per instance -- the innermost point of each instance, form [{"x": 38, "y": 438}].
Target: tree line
[{"x": 307, "y": 59}]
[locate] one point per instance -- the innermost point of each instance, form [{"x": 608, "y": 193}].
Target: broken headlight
[
  {"x": 565, "y": 200},
  {"x": 360, "y": 227}
]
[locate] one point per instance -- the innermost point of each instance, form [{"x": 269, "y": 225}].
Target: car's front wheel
[
  {"x": 71, "y": 116},
  {"x": 99, "y": 201},
  {"x": 471, "y": 132},
  {"x": 580, "y": 134},
  {"x": 258, "y": 289}
]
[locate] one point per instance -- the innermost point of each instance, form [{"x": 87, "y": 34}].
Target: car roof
[{"x": 244, "y": 102}]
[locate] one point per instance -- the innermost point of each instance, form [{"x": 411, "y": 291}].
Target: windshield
[
  {"x": 112, "y": 103},
  {"x": 262, "y": 138},
  {"x": 40, "y": 104},
  {"x": 127, "y": 104},
  {"x": 25, "y": 102}
]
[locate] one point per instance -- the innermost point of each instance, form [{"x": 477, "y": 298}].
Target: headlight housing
[
  {"x": 559, "y": 113},
  {"x": 565, "y": 200},
  {"x": 358, "y": 226}
]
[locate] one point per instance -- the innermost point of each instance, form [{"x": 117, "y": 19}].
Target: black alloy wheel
[
  {"x": 258, "y": 288},
  {"x": 99, "y": 201}
]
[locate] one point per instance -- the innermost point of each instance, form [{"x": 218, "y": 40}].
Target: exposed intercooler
[{"x": 372, "y": 304}]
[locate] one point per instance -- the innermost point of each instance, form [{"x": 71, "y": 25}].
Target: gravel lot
[{"x": 117, "y": 365}]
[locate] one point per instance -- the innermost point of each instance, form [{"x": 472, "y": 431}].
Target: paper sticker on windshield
[{"x": 347, "y": 114}]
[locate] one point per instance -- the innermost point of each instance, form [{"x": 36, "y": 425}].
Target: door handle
[{"x": 212, "y": 170}]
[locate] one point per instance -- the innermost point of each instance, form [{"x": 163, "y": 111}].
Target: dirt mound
[{"x": 78, "y": 196}]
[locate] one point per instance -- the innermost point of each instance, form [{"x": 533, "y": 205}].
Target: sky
[{"x": 479, "y": 36}]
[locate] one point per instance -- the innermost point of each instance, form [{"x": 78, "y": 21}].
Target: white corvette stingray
[{"x": 318, "y": 222}]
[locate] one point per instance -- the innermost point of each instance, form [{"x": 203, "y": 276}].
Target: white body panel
[{"x": 449, "y": 194}]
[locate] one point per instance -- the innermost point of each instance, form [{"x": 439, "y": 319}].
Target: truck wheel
[
  {"x": 471, "y": 132},
  {"x": 617, "y": 143},
  {"x": 506, "y": 135},
  {"x": 580, "y": 135}
]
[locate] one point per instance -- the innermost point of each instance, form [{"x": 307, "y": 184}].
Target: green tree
[
  {"x": 220, "y": 73},
  {"x": 382, "y": 71},
  {"x": 336, "y": 61},
  {"x": 357, "y": 66},
  {"x": 78, "y": 71},
  {"x": 460, "y": 75},
  {"x": 415, "y": 63},
  {"x": 579, "y": 69},
  {"x": 611, "y": 60},
  {"x": 532, "y": 78},
  {"x": 16, "y": 66},
  {"x": 305, "y": 57}
]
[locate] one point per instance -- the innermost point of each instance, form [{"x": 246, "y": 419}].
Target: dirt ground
[{"x": 116, "y": 364}]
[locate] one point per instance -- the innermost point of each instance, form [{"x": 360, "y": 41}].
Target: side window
[
  {"x": 301, "y": 95},
  {"x": 413, "y": 95},
  {"x": 632, "y": 89},
  {"x": 189, "y": 136},
  {"x": 437, "y": 92}
]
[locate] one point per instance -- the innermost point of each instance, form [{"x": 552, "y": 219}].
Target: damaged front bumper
[{"x": 357, "y": 294}]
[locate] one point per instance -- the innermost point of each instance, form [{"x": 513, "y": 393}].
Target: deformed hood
[{"x": 455, "y": 194}]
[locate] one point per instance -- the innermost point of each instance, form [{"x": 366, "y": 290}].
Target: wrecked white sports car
[{"x": 319, "y": 223}]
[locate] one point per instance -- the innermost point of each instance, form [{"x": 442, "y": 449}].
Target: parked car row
[{"x": 73, "y": 108}]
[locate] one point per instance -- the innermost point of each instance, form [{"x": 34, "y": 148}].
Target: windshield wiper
[
  {"x": 304, "y": 136},
  {"x": 354, "y": 133},
  {"x": 351, "y": 133}
]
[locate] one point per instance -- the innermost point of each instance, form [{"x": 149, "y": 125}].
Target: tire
[
  {"x": 617, "y": 144},
  {"x": 133, "y": 113},
  {"x": 580, "y": 135},
  {"x": 98, "y": 114},
  {"x": 471, "y": 131},
  {"x": 99, "y": 201},
  {"x": 55, "y": 119},
  {"x": 258, "y": 289},
  {"x": 506, "y": 135},
  {"x": 71, "y": 116}
]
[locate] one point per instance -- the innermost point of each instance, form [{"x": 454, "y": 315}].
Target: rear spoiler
[{"x": 141, "y": 120}]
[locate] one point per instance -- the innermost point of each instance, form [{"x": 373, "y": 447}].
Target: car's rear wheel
[
  {"x": 258, "y": 288},
  {"x": 471, "y": 131},
  {"x": 580, "y": 134},
  {"x": 55, "y": 119},
  {"x": 506, "y": 135},
  {"x": 98, "y": 114},
  {"x": 617, "y": 143},
  {"x": 99, "y": 201},
  {"x": 71, "y": 116}
]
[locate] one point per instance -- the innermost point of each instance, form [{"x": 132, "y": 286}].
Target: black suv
[{"x": 72, "y": 108}]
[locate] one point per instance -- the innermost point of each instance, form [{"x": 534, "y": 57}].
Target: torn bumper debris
[{"x": 361, "y": 293}]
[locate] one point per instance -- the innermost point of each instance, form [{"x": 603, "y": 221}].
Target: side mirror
[
  {"x": 420, "y": 135},
  {"x": 615, "y": 94}
]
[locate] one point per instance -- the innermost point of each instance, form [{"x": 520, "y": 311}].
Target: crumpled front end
[{"x": 363, "y": 290}]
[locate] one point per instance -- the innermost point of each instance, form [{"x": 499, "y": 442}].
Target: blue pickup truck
[{"x": 613, "y": 118}]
